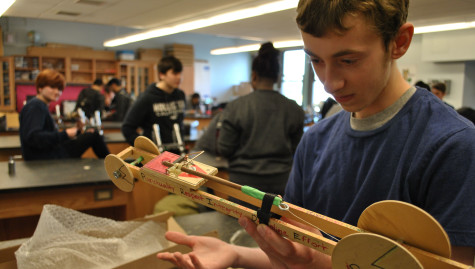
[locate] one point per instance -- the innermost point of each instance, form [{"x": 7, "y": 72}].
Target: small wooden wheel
[
  {"x": 146, "y": 144},
  {"x": 367, "y": 250},
  {"x": 119, "y": 172},
  {"x": 406, "y": 223}
]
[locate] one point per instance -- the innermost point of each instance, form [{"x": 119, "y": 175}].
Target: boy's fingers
[{"x": 179, "y": 238}]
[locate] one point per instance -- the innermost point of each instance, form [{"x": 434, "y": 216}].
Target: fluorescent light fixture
[
  {"x": 201, "y": 23},
  {"x": 5, "y": 5},
  {"x": 299, "y": 43},
  {"x": 255, "y": 47},
  {"x": 444, "y": 27}
]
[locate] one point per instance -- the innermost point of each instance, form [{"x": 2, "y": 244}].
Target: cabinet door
[
  {"x": 56, "y": 63},
  {"x": 26, "y": 68},
  {"x": 136, "y": 76},
  {"x": 81, "y": 71},
  {"x": 105, "y": 70},
  {"x": 144, "y": 76},
  {"x": 7, "y": 85}
]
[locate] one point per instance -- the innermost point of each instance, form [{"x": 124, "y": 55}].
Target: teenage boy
[
  {"x": 91, "y": 99},
  {"x": 39, "y": 136},
  {"x": 393, "y": 141},
  {"x": 161, "y": 103},
  {"x": 116, "y": 104},
  {"x": 440, "y": 90}
]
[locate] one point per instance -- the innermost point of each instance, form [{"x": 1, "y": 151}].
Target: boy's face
[
  {"x": 172, "y": 79},
  {"x": 438, "y": 93},
  {"x": 354, "y": 67},
  {"x": 49, "y": 94}
]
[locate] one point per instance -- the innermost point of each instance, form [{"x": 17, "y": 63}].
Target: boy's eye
[
  {"x": 348, "y": 61},
  {"x": 316, "y": 61}
]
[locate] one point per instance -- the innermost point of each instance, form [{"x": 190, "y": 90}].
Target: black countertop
[
  {"x": 13, "y": 141},
  {"x": 51, "y": 173}
]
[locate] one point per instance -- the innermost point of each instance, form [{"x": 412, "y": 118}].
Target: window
[
  {"x": 293, "y": 74},
  {"x": 318, "y": 93},
  {"x": 296, "y": 72}
]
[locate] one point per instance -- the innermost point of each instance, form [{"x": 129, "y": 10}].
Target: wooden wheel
[
  {"x": 119, "y": 172},
  {"x": 146, "y": 144},
  {"x": 367, "y": 250},
  {"x": 404, "y": 222}
]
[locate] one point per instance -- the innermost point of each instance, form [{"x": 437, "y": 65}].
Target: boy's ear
[
  {"x": 253, "y": 76},
  {"x": 402, "y": 41}
]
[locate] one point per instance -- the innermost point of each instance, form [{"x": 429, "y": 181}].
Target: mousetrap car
[{"x": 389, "y": 234}]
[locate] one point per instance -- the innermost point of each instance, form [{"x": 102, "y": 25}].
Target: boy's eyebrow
[
  {"x": 336, "y": 55},
  {"x": 309, "y": 53}
]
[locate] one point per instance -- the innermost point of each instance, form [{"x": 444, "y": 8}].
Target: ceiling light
[
  {"x": 68, "y": 13},
  {"x": 5, "y": 5},
  {"x": 90, "y": 2},
  {"x": 444, "y": 27},
  {"x": 201, "y": 23},
  {"x": 299, "y": 43},
  {"x": 255, "y": 47}
]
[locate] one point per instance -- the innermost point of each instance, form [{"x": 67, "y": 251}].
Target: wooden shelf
[
  {"x": 24, "y": 81},
  {"x": 82, "y": 71},
  {"x": 7, "y": 85},
  {"x": 106, "y": 71},
  {"x": 25, "y": 69}
]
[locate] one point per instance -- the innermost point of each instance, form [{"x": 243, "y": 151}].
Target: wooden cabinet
[
  {"x": 56, "y": 63},
  {"x": 26, "y": 68},
  {"x": 7, "y": 85},
  {"x": 105, "y": 69},
  {"x": 136, "y": 75},
  {"x": 75, "y": 70},
  {"x": 79, "y": 65},
  {"x": 80, "y": 71},
  {"x": 85, "y": 71}
]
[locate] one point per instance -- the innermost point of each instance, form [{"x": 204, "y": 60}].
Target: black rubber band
[{"x": 263, "y": 213}]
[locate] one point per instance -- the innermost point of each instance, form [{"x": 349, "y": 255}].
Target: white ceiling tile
[{"x": 143, "y": 14}]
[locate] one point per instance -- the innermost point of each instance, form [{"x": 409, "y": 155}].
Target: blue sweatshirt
[{"x": 39, "y": 136}]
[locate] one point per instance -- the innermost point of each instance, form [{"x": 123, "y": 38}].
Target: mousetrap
[{"x": 389, "y": 234}]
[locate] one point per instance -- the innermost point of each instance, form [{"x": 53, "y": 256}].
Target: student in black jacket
[
  {"x": 39, "y": 136},
  {"x": 90, "y": 99},
  {"x": 116, "y": 104},
  {"x": 161, "y": 103}
]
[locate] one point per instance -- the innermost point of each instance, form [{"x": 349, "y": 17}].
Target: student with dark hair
[
  {"x": 439, "y": 89},
  {"x": 422, "y": 84},
  {"x": 39, "y": 135},
  {"x": 162, "y": 103},
  {"x": 468, "y": 113},
  {"x": 116, "y": 104},
  {"x": 392, "y": 142},
  {"x": 115, "y": 85},
  {"x": 193, "y": 106},
  {"x": 90, "y": 99},
  {"x": 260, "y": 131}
]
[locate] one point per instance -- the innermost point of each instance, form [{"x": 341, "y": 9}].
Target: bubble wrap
[{"x": 65, "y": 238}]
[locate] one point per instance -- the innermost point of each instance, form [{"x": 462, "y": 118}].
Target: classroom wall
[
  {"x": 224, "y": 74},
  {"x": 449, "y": 46},
  {"x": 469, "y": 85},
  {"x": 428, "y": 70}
]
